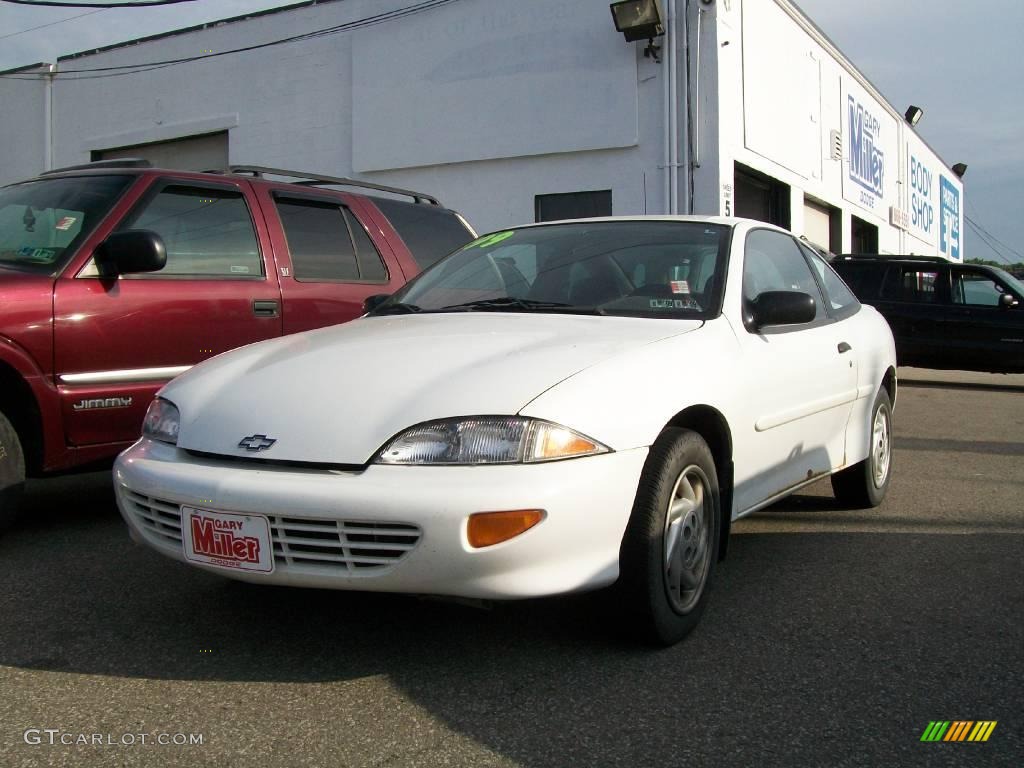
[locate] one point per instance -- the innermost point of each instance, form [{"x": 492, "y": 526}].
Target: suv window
[
  {"x": 773, "y": 262},
  {"x": 976, "y": 289},
  {"x": 207, "y": 231},
  {"x": 841, "y": 301},
  {"x": 429, "y": 232},
  {"x": 328, "y": 243},
  {"x": 911, "y": 283}
]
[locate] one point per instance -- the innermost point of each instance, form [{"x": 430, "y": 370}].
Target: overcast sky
[{"x": 961, "y": 62}]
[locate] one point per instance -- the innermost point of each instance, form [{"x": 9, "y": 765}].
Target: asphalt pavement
[{"x": 833, "y": 638}]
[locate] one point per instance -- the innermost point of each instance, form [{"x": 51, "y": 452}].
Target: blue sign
[
  {"x": 949, "y": 218},
  {"x": 867, "y": 161}
]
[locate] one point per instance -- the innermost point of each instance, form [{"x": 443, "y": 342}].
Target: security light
[
  {"x": 960, "y": 169},
  {"x": 638, "y": 19},
  {"x": 913, "y": 114}
]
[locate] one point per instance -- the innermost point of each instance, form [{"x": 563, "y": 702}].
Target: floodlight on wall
[
  {"x": 960, "y": 169},
  {"x": 640, "y": 20},
  {"x": 913, "y": 114}
]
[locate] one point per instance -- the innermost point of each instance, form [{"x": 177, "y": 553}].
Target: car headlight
[
  {"x": 487, "y": 440},
  {"x": 162, "y": 421}
]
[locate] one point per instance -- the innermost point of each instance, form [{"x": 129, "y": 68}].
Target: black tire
[
  {"x": 865, "y": 484},
  {"x": 12, "y": 472},
  {"x": 664, "y": 577}
]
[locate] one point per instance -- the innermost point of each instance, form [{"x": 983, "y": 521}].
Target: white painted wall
[{"x": 487, "y": 103}]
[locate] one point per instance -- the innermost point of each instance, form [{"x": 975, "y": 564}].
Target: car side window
[
  {"x": 206, "y": 231},
  {"x": 841, "y": 301},
  {"x": 911, "y": 284},
  {"x": 327, "y": 243},
  {"x": 773, "y": 262},
  {"x": 976, "y": 290}
]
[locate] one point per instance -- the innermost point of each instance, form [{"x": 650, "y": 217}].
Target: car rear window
[{"x": 429, "y": 232}]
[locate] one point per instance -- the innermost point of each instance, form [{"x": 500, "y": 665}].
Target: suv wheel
[{"x": 12, "y": 472}]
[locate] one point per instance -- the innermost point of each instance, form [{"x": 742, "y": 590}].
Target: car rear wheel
[
  {"x": 12, "y": 472},
  {"x": 865, "y": 483},
  {"x": 670, "y": 547}
]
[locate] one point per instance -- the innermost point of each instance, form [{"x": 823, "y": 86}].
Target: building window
[
  {"x": 572, "y": 205},
  {"x": 759, "y": 196},
  {"x": 864, "y": 236}
]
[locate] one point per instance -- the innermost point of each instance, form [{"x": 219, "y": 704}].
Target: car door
[
  {"x": 802, "y": 380},
  {"x": 116, "y": 341},
  {"x": 984, "y": 335},
  {"x": 331, "y": 256},
  {"x": 914, "y": 300}
]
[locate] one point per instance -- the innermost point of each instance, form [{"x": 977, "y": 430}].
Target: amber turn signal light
[{"x": 488, "y": 528}]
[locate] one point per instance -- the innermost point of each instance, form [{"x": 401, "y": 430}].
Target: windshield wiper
[
  {"x": 398, "y": 308},
  {"x": 513, "y": 303}
]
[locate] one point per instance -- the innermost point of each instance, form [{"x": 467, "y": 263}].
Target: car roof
[{"x": 730, "y": 221}]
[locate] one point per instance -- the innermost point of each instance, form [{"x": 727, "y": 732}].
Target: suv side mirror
[
  {"x": 780, "y": 308},
  {"x": 370, "y": 303},
  {"x": 1007, "y": 300},
  {"x": 134, "y": 250}
]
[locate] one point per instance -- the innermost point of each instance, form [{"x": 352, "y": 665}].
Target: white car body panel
[
  {"x": 411, "y": 369},
  {"x": 797, "y": 408}
]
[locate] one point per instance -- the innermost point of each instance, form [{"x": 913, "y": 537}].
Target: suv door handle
[
  {"x": 844, "y": 347},
  {"x": 266, "y": 308}
]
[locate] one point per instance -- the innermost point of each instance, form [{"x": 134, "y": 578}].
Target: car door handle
[
  {"x": 264, "y": 308},
  {"x": 844, "y": 347}
]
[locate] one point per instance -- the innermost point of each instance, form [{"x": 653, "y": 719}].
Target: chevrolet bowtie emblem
[{"x": 256, "y": 442}]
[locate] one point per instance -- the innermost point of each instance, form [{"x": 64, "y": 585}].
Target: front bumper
[{"x": 396, "y": 528}]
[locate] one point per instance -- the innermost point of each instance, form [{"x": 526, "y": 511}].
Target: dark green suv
[{"x": 943, "y": 314}]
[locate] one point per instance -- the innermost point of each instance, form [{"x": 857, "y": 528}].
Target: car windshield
[
  {"x": 635, "y": 268},
  {"x": 1015, "y": 285},
  {"x": 42, "y": 222}
]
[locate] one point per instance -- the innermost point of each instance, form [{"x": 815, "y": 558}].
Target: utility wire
[
  {"x": 50, "y": 24},
  {"x": 101, "y": 6},
  {"x": 130, "y": 69},
  {"x": 986, "y": 241},
  {"x": 1016, "y": 253}
]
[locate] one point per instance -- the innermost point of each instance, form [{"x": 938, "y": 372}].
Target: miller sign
[{"x": 867, "y": 161}]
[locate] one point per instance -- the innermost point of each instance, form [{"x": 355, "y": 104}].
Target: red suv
[{"x": 116, "y": 277}]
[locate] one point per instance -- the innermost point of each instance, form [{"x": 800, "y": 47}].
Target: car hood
[{"x": 337, "y": 395}]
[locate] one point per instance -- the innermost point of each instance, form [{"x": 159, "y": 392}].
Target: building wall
[
  {"x": 782, "y": 92},
  {"x": 23, "y": 120},
  {"x": 486, "y": 103}
]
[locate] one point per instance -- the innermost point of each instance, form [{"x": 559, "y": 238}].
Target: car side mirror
[
  {"x": 1007, "y": 300},
  {"x": 370, "y": 303},
  {"x": 780, "y": 308},
  {"x": 134, "y": 250}
]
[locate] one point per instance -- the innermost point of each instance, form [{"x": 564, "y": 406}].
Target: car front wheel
[
  {"x": 670, "y": 548},
  {"x": 12, "y": 472},
  {"x": 865, "y": 483}
]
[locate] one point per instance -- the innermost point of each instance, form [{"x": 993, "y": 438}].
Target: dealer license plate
[{"x": 227, "y": 540}]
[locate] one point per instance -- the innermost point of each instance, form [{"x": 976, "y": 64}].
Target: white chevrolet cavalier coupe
[{"x": 551, "y": 408}]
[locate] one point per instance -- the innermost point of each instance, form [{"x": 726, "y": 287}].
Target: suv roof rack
[
  {"x": 318, "y": 180},
  {"x": 118, "y": 162}
]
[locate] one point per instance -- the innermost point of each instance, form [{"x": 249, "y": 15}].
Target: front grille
[{"x": 331, "y": 546}]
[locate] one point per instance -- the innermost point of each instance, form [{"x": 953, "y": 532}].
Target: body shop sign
[
  {"x": 869, "y": 151},
  {"x": 923, "y": 193}
]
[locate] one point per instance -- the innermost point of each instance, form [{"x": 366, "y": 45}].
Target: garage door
[
  {"x": 817, "y": 224},
  {"x": 194, "y": 153}
]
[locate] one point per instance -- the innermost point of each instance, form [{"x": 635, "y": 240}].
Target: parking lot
[{"x": 833, "y": 638}]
